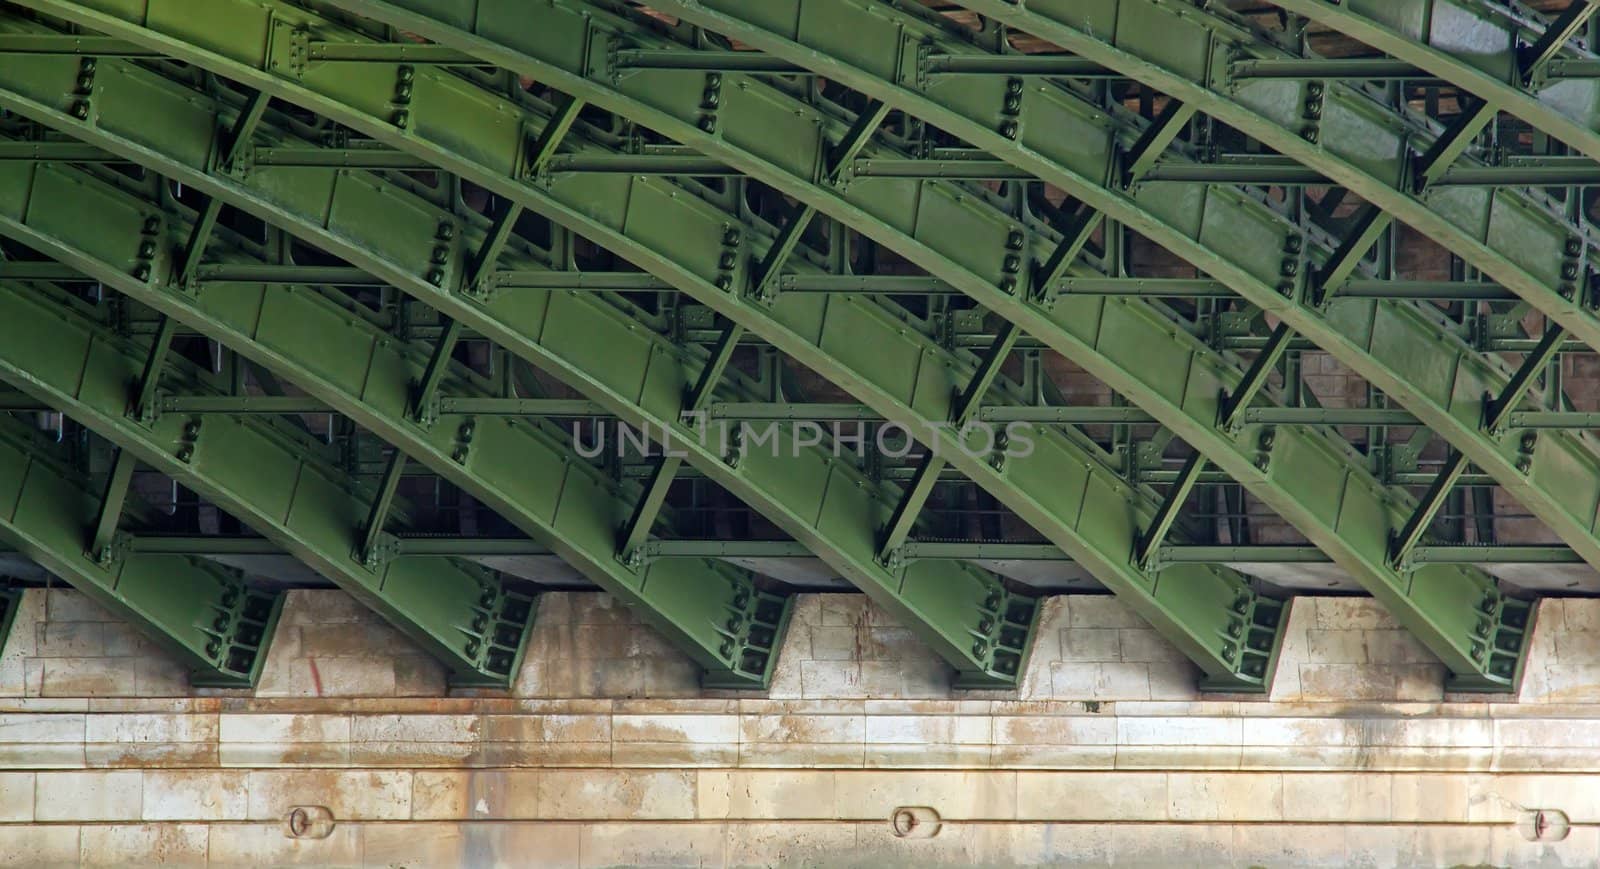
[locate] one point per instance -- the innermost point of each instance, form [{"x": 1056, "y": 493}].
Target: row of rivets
[
  {"x": 405, "y": 77},
  {"x": 1011, "y": 108},
  {"x": 1571, "y": 266},
  {"x": 728, "y": 260},
  {"x": 1312, "y": 113},
  {"x": 191, "y": 436},
  {"x": 147, "y": 248},
  {"x": 710, "y": 100},
  {"x": 442, "y": 237},
  {"x": 464, "y": 441},
  {"x": 80, "y": 99}
]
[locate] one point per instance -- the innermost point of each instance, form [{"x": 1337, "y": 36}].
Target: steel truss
[
  {"x": 1000, "y": 618},
  {"x": 203, "y": 614},
  {"x": 1219, "y": 651},
  {"x": 1185, "y": 413}
]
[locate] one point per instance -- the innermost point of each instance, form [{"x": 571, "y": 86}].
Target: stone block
[
  {"x": 414, "y": 727},
  {"x": 195, "y": 795},
  {"x": 283, "y": 728},
  {"x": 978, "y": 795},
  {"x": 87, "y": 677},
  {"x": 70, "y": 639},
  {"x": 802, "y": 728},
  {"x": 144, "y": 845},
  {"x": 835, "y": 643},
  {"x": 831, "y": 679},
  {"x": 16, "y": 796},
  {"x": 1142, "y": 645},
  {"x": 617, "y": 794},
  {"x": 1342, "y": 646},
  {"x": 352, "y": 795},
  {"x": 1091, "y": 644},
  {"x": 1225, "y": 796},
  {"x": 1100, "y": 611},
  {"x": 1361, "y": 796},
  {"x": 675, "y": 728},
  {"x": 88, "y": 796},
  {"x": 150, "y": 727},
  {"x": 266, "y": 845},
  {"x": 760, "y": 794},
  {"x": 24, "y": 845},
  {"x": 1099, "y": 796},
  {"x": 620, "y": 844},
  {"x": 67, "y": 605}
]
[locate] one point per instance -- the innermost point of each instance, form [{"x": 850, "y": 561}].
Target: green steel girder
[
  {"x": 214, "y": 546},
  {"x": 454, "y": 610},
  {"x": 1479, "y": 48},
  {"x": 956, "y": 602},
  {"x": 203, "y": 614},
  {"x": 1180, "y": 389},
  {"x": 1346, "y": 134},
  {"x": 459, "y": 613},
  {"x": 532, "y": 479},
  {"x": 1208, "y": 612}
]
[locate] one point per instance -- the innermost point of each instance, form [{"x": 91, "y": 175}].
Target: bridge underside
[{"x": 709, "y": 314}]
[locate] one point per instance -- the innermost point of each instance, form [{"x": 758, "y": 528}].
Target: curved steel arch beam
[
  {"x": 1208, "y": 611},
  {"x": 1481, "y": 49},
  {"x": 204, "y": 615},
  {"x": 1180, "y": 386},
  {"x": 531, "y": 478},
  {"x": 303, "y": 505},
  {"x": 1448, "y": 386},
  {"x": 642, "y": 377},
  {"x": 1347, "y": 135}
]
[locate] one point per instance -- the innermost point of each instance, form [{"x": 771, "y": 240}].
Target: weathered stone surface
[{"x": 1105, "y": 753}]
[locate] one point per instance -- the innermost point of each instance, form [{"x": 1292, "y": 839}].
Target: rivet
[
  {"x": 80, "y": 109},
  {"x": 147, "y": 249},
  {"x": 401, "y": 118},
  {"x": 708, "y": 123},
  {"x": 1310, "y": 134}
]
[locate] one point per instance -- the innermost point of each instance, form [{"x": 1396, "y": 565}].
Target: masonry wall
[{"x": 607, "y": 752}]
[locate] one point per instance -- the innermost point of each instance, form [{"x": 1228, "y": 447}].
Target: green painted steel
[
  {"x": 1479, "y": 48},
  {"x": 203, "y": 614},
  {"x": 457, "y": 612},
  {"x": 958, "y": 600},
  {"x": 537, "y": 482},
  {"x": 1427, "y": 599},
  {"x": 1204, "y": 599}
]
